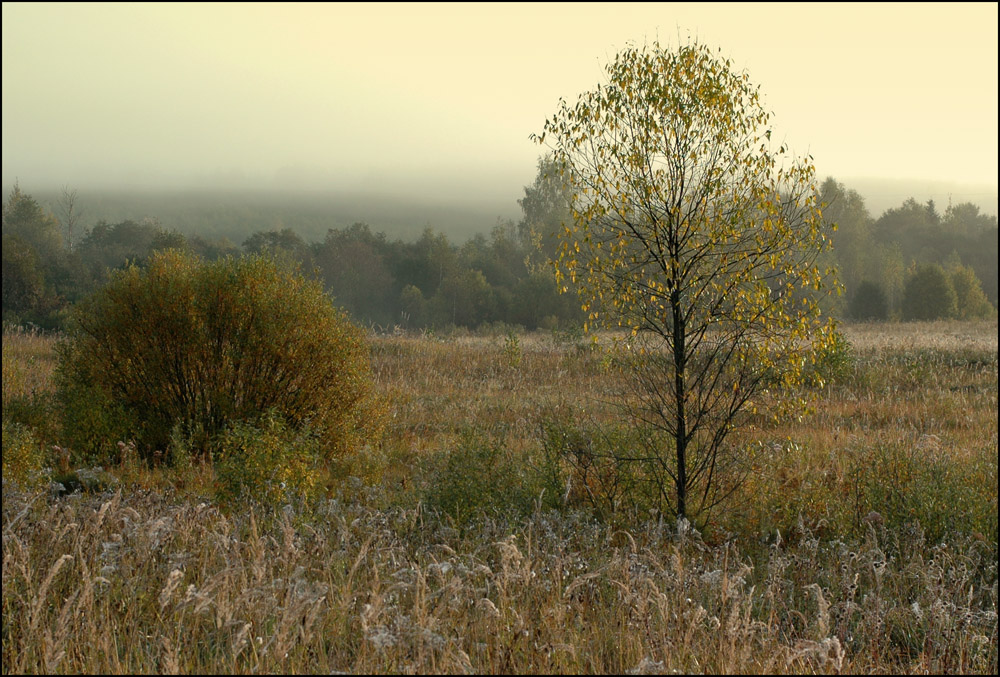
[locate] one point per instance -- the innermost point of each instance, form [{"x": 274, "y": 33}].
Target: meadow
[{"x": 864, "y": 539}]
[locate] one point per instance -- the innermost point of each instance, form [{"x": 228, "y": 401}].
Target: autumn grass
[
  {"x": 142, "y": 583},
  {"x": 865, "y": 542},
  {"x": 910, "y": 431}
]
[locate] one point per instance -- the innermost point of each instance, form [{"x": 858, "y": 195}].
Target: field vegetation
[{"x": 488, "y": 530}]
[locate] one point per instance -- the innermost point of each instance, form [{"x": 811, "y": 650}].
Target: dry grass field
[{"x": 864, "y": 541}]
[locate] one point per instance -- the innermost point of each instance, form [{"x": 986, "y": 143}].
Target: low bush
[
  {"x": 594, "y": 467},
  {"x": 23, "y": 456},
  {"x": 480, "y": 475},
  {"x": 921, "y": 482},
  {"x": 835, "y": 360},
  {"x": 266, "y": 462}
]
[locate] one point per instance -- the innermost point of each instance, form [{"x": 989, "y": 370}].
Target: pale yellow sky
[{"x": 442, "y": 97}]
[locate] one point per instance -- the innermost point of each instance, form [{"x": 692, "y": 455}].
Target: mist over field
[
  {"x": 415, "y": 115},
  {"x": 237, "y": 213},
  {"x": 234, "y": 211}
]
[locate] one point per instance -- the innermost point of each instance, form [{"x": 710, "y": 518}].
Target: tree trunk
[{"x": 680, "y": 435}]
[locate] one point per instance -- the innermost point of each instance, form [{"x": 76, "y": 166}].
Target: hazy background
[{"x": 433, "y": 104}]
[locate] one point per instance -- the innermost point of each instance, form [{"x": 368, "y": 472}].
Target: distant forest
[{"x": 914, "y": 261}]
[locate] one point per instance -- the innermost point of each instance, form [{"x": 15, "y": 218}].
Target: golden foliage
[{"x": 694, "y": 233}]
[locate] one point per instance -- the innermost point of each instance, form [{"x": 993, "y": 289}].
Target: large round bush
[{"x": 187, "y": 348}]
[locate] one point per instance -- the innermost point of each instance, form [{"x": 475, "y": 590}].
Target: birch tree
[{"x": 697, "y": 233}]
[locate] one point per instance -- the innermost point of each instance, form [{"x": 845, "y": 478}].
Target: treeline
[
  {"x": 500, "y": 278},
  {"x": 913, "y": 262}
]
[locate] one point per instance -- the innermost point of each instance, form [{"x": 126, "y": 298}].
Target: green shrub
[
  {"x": 23, "y": 456},
  {"x": 869, "y": 303},
  {"x": 93, "y": 422},
  {"x": 205, "y": 346},
  {"x": 594, "y": 467},
  {"x": 929, "y": 294},
  {"x": 512, "y": 350},
  {"x": 266, "y": 462},
  {"x": 971, "y": 302},
  {"x": 835, "y": 360},
  {"x": 34, "y": 411},
  {"x": 922, "y": 482},
  {"x": 480, "y": 474}
]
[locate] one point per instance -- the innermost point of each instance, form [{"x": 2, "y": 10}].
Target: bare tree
[{"x": 70, "y": 212}]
